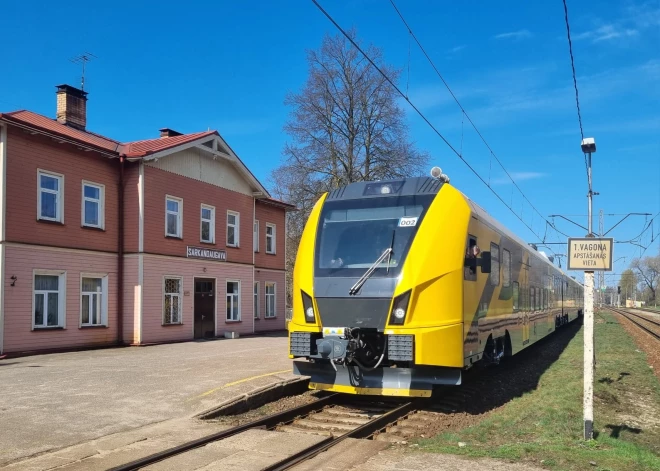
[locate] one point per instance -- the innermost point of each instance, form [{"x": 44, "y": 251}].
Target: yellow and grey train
[{"x": 400, "y": 286}]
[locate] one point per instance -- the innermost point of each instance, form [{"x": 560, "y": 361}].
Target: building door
[{"x": 204, "y": 308}]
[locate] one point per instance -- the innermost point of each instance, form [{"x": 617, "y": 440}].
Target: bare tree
[
  {"x": 648, "y": 271},
  {"x": 628, "y": 282},
  {"x": 345, "y": 126}
]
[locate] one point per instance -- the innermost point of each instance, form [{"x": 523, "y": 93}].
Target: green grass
[{"x": 544, "y": 426}]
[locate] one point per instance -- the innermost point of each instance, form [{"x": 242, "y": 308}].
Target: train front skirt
[{"x": 417, "y": 382}]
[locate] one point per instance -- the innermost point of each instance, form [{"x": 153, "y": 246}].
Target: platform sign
[{"x": 590, "y": 254}]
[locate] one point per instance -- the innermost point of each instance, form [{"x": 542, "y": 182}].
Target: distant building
[{"x": 104, "y": 242}]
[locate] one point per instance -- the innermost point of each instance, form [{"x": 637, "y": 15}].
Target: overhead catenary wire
[
  {"x": 465, "y": 113},
  {"x": 422, "y": 115}
]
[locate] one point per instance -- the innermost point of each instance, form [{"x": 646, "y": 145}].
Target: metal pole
[{"x": 589, "y": 333}]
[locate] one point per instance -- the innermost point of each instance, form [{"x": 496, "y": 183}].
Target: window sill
[
  {"x": 270, "y": 318},
  {"x": 233, "y": 322},
  {"x": 257, "y": 318},
  {"x": 93, "y": 327},
  {"x": 207, "y": 243},
  {"x": 173, "y": 237},
  {"x": 55, "y": 327},
  {"x": 172, "y": 325},
  {"x": 93, "y": 228},
  {"x": 271, "y": 253},
  {"x": 48, "y": 221},
  {"x": 233, "y": 246}
]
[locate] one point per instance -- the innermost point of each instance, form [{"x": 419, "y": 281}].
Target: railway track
[
  {"x": 335, "y": 417},
  {"x": 650, "y": 326}
]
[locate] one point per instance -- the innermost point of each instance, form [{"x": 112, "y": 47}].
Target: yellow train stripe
[{"x": 370, "y": 391}]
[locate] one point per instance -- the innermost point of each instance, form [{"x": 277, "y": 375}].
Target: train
[{"x": 400, "y": 286}]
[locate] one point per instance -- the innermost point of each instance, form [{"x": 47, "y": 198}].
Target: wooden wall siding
[
  {"x": 278, "y": 323},
  {"x": 156, "y": 267},
  {"x": 270, "y": 214},
  {"x": 198, "y": 165},
  {"x": 159, "y": 183},
  {"x": 131, "y": 207},
  {"x": 25, "y": 154},
  {"x": 20, "y": 261},
  {"x": 131, "y": 320}
]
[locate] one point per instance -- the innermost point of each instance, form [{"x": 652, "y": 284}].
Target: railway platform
[{"x": 106, "y": 398}]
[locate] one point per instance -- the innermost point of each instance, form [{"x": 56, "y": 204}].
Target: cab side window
[{"x": 470, "y": 270}]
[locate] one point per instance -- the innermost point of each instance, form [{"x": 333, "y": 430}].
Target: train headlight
[
  {"x": 399, "y": 308},
  {"x": 308, "y": 308}
]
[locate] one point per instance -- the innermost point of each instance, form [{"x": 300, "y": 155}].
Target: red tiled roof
[
  {"x": 130, "y": 149},
  {"x": 151, "y": 146},
  {"x": 51, "y": 125}
]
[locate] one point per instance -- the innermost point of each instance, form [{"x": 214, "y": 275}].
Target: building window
[
  {"x": 208, "y": 224},
  {"x": 256, "y": 300},
  {"x": 49, "y": 204},
  {"x": 93, "y": 300},
  {"x": 516, "y": 295},
  {"x": 233, "y": 301},
  {"x": 270, "y": 238},
  {"x": 494, "y": 264},
  {"x": 92, "y": 205},
  {"x": 232, "y": 228},
  {"x": 172, "y": 301},
  {"x": 506, "y": 268},
  {"x": 49, "y": 298},
  {"x": 255, "y": 236},
  {"x": 173, "y": 210},
  {"x": 270, "y": 299}
]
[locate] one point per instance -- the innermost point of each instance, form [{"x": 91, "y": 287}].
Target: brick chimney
[
  {"x": 72, "y": 106},
  {"x": 167, "y": 132}
]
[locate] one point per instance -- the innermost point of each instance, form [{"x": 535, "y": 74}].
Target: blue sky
[{"x": 225, "y": 66}]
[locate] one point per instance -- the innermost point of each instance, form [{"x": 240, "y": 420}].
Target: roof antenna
[{"x": 83, "y": 59}]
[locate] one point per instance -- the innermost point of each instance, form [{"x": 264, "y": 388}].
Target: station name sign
[
  {"x": 590, "y": 254},
  {"x": 206, "y": 254}
]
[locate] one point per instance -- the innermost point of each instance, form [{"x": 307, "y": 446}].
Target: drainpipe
[{"x": 120, "y": 255}]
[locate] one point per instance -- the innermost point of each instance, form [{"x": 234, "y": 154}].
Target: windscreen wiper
[{"x": 358, "y": 284}]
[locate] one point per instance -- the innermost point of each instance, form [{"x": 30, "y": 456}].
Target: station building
[{"x": 106, "y": 242}]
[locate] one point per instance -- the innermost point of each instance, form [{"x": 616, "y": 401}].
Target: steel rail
[
  {"x": 363, "y": 431},
  {"x": 638, "y": 324},
  {"x": 268, "y": 422},
  {"x": 643, "y": 318}
]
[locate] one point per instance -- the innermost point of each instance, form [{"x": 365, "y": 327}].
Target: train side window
[
  {"x": 532, "y": 299},
  {"x": 506, "y": 268},
  {"x": 538, "y": 299},
  {"x": 470, "y": 271},
  {"x": 494, "y": 264},
  {"x": 516, "y": 294}
]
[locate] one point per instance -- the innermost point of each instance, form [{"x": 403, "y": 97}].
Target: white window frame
[
  {"x": 238, "y": 318},
  {"x": 255, "y": 236},
  {"x": 100, "y": 201},
  {"x": 255, "y": 300},
  {"x": 179, "y": 295},
  {"x": 179, "y": 215},
  {"x": 236, "y": 226},
  {"x": 59, "y": 200},
  {"x": 273, "y": 236},
  {"x": 103, "y": 308},
  {"x": 61, "y": 308},
  {"x": 274, "y": 295},
  {"x": 210, "y": 221}
]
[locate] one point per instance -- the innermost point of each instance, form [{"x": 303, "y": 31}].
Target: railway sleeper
[
  {"x": 350, "y": 413},
  {"x": 404, "y": 431},
  {"x": 294, "y": 429},
  {"x": 390, "y": 438},
  {"x": 327, "y": 417},
  {"x": 314, "y": 425}
]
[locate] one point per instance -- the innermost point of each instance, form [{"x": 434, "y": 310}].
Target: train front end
[{"x": 377, "y": 289}]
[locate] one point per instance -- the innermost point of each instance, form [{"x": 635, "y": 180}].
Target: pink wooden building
[{"x": 104, "y": 242}]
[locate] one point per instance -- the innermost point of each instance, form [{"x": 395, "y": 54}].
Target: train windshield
[{"x": 354, "y": 233}]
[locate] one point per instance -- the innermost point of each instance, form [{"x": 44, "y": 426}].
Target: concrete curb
[{"x": 256, "y": 398}]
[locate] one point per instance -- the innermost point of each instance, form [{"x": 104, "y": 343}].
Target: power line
[
  {"x": 398, "y": 90},
  {"x": 428, "y": 58},
  {"x": 577, "y": 97}
]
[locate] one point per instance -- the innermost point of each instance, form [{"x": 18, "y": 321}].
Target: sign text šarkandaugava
[{"x": 590, "y": 254}]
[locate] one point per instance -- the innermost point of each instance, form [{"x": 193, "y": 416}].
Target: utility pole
[{"x": 589, "y": 354}]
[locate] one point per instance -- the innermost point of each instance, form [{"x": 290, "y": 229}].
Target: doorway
[{"x": 204, "y": 308}]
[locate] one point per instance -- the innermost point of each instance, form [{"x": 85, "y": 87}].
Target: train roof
[{"x": 393, "y": 187}]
